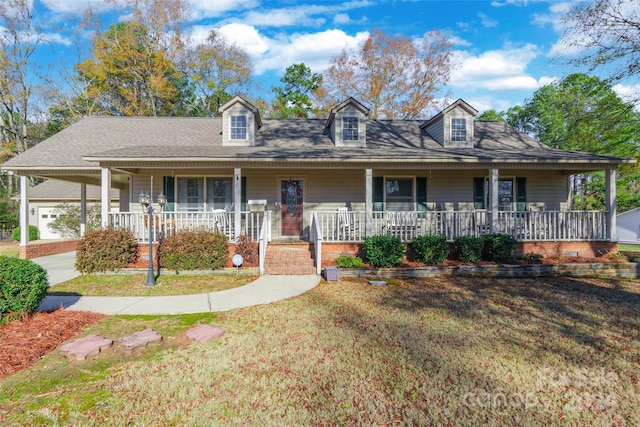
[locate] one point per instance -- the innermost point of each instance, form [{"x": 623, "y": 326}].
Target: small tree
[{"x": 67, "y": 222}]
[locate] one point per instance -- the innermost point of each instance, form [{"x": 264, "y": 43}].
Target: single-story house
[
  {"x": 628, "y": 226},
  {"x": 330, "y": 181},
  {"x": 46, "y": 196}
]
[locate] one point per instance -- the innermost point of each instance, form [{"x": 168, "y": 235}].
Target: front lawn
[
  {"x": 451, "y": 351},
  {"x": 134, "y": 285}
]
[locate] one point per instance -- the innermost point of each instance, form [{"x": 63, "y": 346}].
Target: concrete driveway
[{"x": 61, "y": 267}]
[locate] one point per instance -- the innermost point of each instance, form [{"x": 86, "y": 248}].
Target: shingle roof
[{"x": 198, "y": 139}]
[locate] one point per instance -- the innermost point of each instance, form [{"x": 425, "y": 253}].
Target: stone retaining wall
[{"x": 607, "y": 270}]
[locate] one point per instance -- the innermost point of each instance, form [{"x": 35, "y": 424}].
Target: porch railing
[
  {"x": 168, "y": 223},
  {"x": 316, "y": 239},
  {"x": 263, "y": 240},
  {"x": 522, "y": 225}
]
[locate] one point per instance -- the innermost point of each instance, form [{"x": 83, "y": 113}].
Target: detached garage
[
  {"x": 628, "y": 226},
  {"x": 44, "y": 197}
]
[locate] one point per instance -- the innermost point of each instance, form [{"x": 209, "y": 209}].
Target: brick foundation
[{"x": 38, "y": 249}]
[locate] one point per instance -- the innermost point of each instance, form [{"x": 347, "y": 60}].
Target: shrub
[
  {"x": 34, "y": 234},
  {"x": 531, "y": 258},
  {"x": 346, "y": 261},
  {"x": 248, "y": 249},
  {"x": 469, "y": 248},
  {"x": 498, "y": 247},
  {"x": 106, "y": 250},
  {"x": 431, "y": 249},
  {"x": 384, "y": 251},
  {"x": 23, "y": 284},
  {"x": 194, "y": 250},
  {"x": 67, "y": 222}
]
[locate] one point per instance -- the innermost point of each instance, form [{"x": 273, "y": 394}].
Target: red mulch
[
  {"x": 25, "y": 341},
  {"x": 453, "y": 262}
]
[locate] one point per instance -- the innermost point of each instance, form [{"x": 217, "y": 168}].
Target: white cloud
[
  {"x": 248, "y": 38},
  {"x": 215, "y": 8},
  {"x": 630, "y": 93},
  {"x": 458, "y": 41},
  {"x": 486, "y": 21},
  {"x": 496, "y": 69},
  {"x": 77, "y": 7},
  {"x": 341, "y": 19}
]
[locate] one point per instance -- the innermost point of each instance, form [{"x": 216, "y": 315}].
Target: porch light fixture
[{"x": 145, "y": 201}]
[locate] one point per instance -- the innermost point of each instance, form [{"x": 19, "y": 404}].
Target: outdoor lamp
[{"x": 145, "y": 202}]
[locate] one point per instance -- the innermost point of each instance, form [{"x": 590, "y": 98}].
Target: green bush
[
  {"x": 23, "y": 284},
  {"x": 469, "y": 248},
  {"x": 431, "y": 249},
  {"x": 67, "y": 222},
  {"x": 106, "y": 250},
  {"x": 498, "y": 248},
  {"x": 345, "y": 261},
  {"x": 384, "y": 251},
  {"x": 34, "y": 234},
  {"x": 531, "y": 258},
  {"x": 194, "y": 250}
]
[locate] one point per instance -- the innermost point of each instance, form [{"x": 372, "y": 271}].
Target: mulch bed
[{"x": 25, "y": 341}]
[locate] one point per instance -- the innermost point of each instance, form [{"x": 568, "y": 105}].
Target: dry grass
[
  {"x": 134, "y": 285},
  {"x": 433, "y": 352}
]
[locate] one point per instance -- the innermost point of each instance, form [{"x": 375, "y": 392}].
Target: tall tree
[
  {"x": 396, "y": 77},
  {"x": 491, "y": 115},
  {"x": 608, "y": 34},
  {"x": 22, "y": 81},
  {"x": 294, "y": 100},
  {"x": 583, "y": 113},
  {"x": 129, "y": 75},
  {"x": 217, "y": 69}
]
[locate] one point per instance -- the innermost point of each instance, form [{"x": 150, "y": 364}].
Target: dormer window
[
  {"x": 458, "y": 130},
  {"x": 349, "y": 128},
  {"x": 239, "y": 127}
]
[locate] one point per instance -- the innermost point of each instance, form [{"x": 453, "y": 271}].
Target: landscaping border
[{"x": 628, "y": 270}]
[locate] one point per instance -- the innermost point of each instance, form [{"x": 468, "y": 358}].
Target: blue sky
[{"x": 503, "y": 50}]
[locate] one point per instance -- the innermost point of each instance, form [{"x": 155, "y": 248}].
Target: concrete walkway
[{"x": 264, "y": 290}]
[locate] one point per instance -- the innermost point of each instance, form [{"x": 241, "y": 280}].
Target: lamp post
[{"x": 145, "y": 202}]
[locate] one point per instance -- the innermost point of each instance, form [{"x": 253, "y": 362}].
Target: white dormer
[
  {"x": 240, "y": 122},
  {"x": 347, "y": 124},
  {"x": 453, "y": 126}
]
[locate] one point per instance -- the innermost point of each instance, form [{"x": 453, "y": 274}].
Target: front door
[{"x": 291, "y": 207}]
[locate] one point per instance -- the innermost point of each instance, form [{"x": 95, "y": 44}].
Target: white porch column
[
  {"x": 105, "y": 200},
  {"x": 493, "y": 199},
  {"x": 610, "y": 201},
  {"x": 368, "y": 201},
  {"x": 83, "y": 208},
  {"x": 24, "y": 210},
  {"x": 237, "y": 202}
]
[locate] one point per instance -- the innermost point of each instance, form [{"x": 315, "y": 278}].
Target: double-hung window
[
  {"x": 458, "y": 130},
  {"x": 349, "y": 128},
  {"x": 199, "y": 194},
  {"x": 239, "y": 127}
]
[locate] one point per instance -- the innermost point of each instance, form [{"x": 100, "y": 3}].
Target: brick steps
[{"x": 289, "y": 259}]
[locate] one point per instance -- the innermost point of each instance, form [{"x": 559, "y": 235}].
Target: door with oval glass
[{"x": 291, "y": 195}]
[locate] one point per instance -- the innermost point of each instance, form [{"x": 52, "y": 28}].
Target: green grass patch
[
  {"x": 134, "y": 285},
  {"x": 628, "y": 248},
  {"x": 10, "y": 250},
  {"x": 446, "y": 351}
]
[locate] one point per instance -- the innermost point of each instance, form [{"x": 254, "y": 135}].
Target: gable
[
  {"x": 240, "y": 122},
  {"x": 454, "y": 126},
  {"x": 347, "y": 124}
]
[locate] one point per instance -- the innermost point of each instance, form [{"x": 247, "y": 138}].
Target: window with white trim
[
  {"x": 399, "y": 194},
  {"x": 349, "y": 128},
  {"x": 458, "y": 130},
  {"x": 238, "y": 127},
  {"x": 199, "y": 194}
]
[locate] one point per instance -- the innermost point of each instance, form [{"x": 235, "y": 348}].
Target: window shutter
[
  {"x": 478, "y": 193},
  {"x": 421, "y": 193},
  {"x": 378, "y": 194},
  {"x": 168, "y": 188},
  {"x": 521, "y": 194}
]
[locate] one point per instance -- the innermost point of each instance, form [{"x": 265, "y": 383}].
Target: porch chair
[
  {"x": 348, "y": 228},
  {"x": 220, "y": 221}
]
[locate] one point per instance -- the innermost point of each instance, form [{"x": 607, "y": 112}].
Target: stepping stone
[
  {"x": 139, "y": 339},
  {"x": 84, "y": 346},
  {"x": 202, "y": 333}
]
